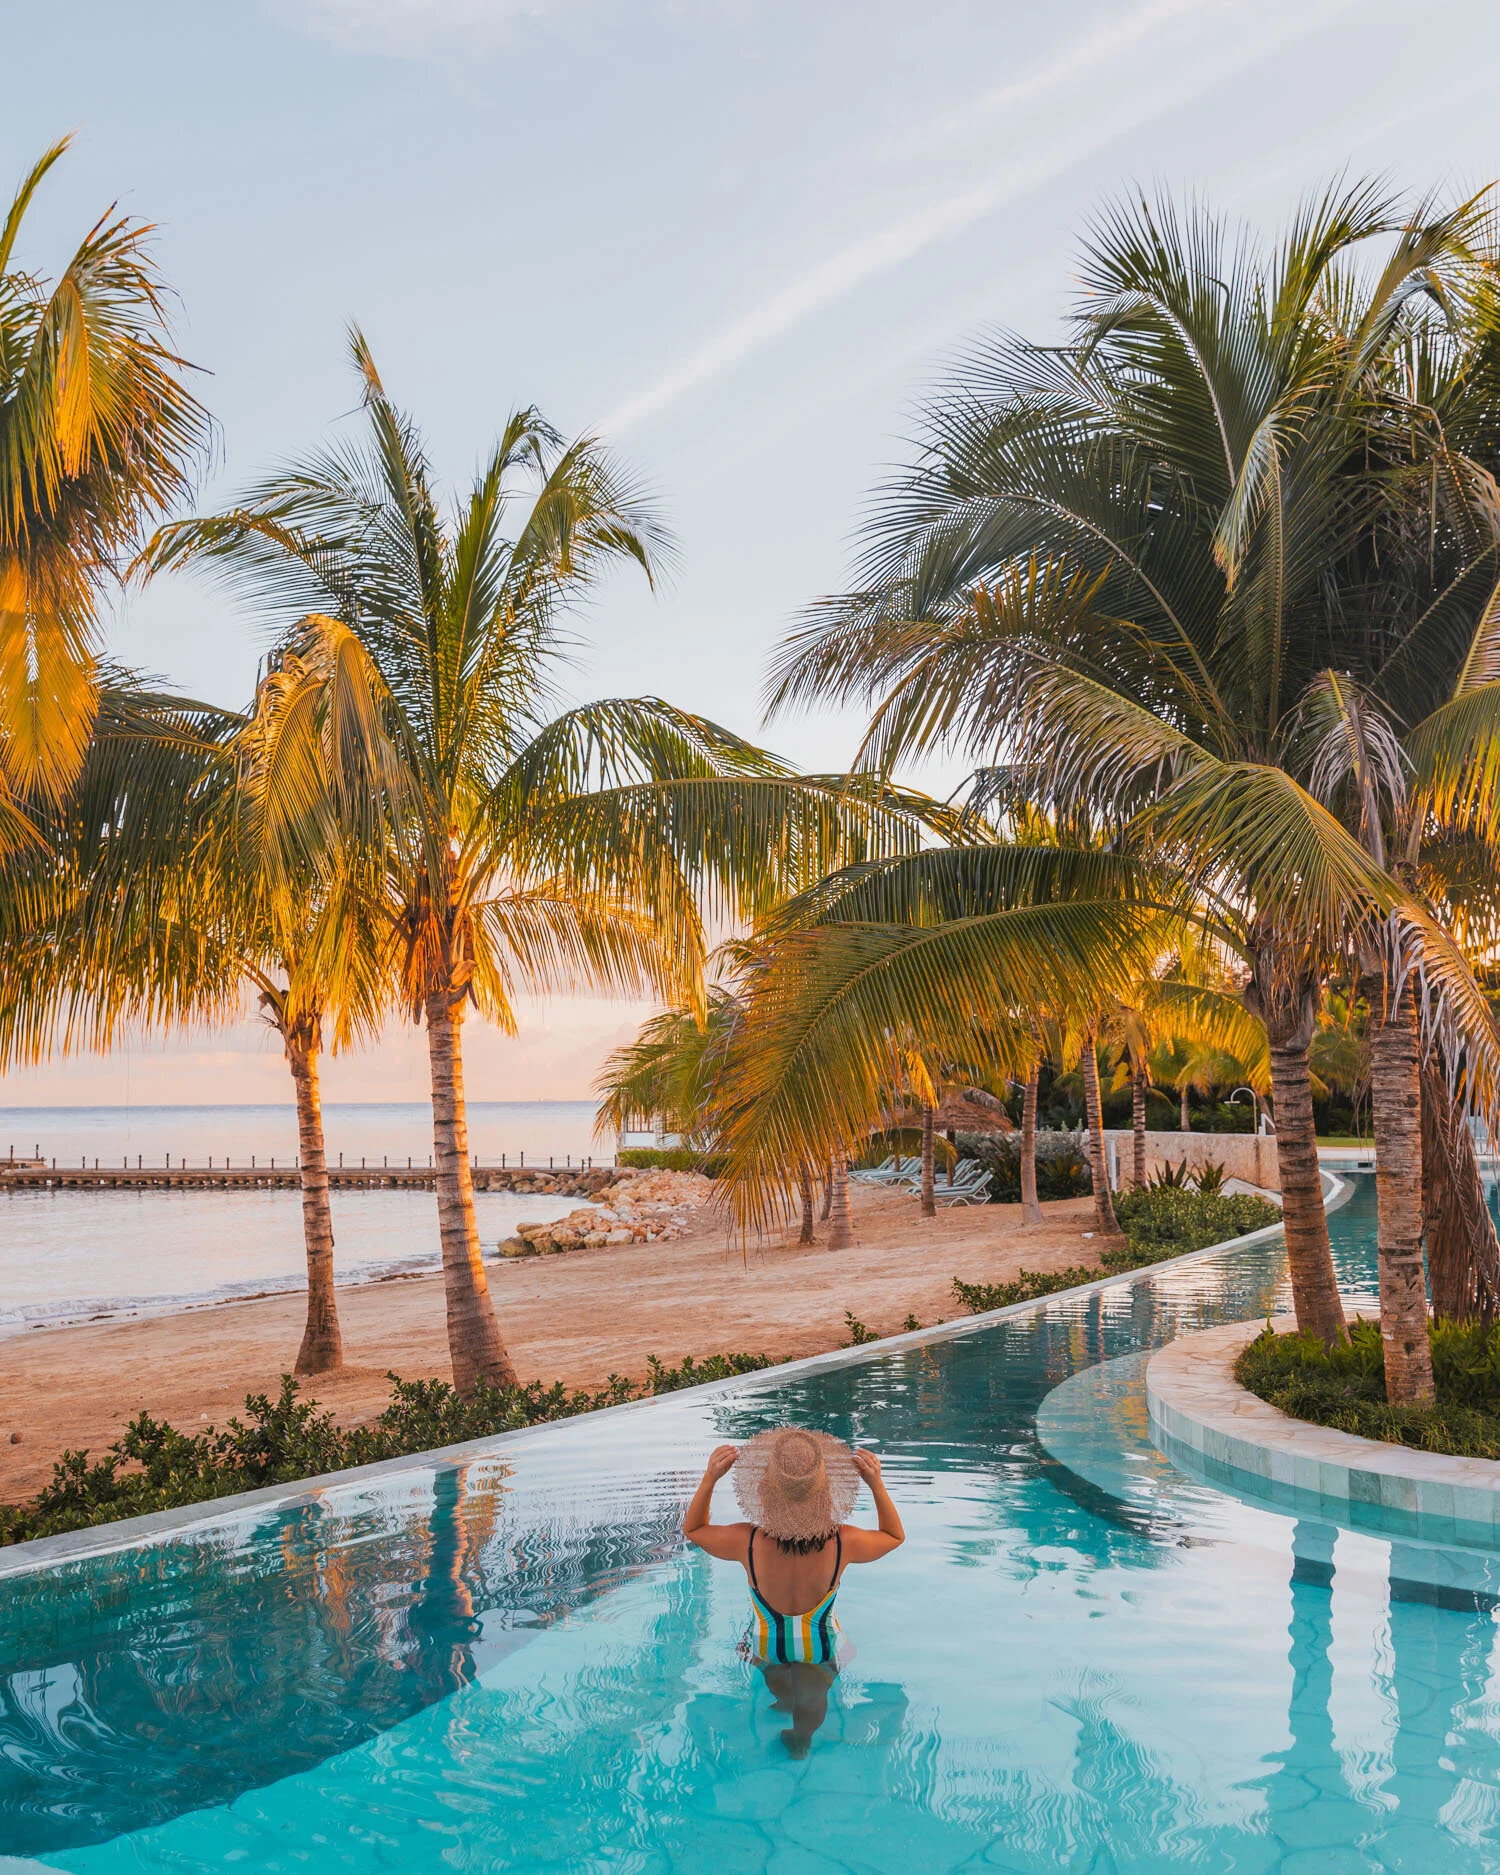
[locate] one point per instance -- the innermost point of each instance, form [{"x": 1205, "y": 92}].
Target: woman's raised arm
[
  {"x": 870, "y": 1545},
  {"x": 727, "y": 1541}
]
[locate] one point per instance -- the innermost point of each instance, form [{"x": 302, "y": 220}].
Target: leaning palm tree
[
  {"x": 97, "y": 437},
  {"x": 1109, "y": 569},
  {"x": 1401, "y": 734},
  {"x": 670, "y": 1072},
  {"x": 143, "y": 904},
  {"x": 978, "y": 938},
  {"x": 1185, "y": 1006},
  {"x": 517, "y": 849}
]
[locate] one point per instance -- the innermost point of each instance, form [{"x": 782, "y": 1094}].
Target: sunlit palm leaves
[
  {"x": 1115, "y": 568},
  {"x": 97, "y": 435},
  {"x": 411, "y": 721}
]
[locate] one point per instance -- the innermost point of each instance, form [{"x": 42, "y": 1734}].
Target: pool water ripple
[{"x": 1082, "y": 1660}]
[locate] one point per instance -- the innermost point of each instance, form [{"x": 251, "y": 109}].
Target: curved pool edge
[
  {"x": 157, "y": 1526},
  {"x": 1200, "y": 1414}
]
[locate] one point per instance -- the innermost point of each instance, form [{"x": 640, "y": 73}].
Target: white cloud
[{"x": 1246, "y": 32}]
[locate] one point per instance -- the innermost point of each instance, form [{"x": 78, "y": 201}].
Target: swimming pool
[{"x": 1082, "y": 1660}]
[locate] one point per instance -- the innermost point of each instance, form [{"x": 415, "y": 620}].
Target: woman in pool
[{"x": 795, "y": 1488}]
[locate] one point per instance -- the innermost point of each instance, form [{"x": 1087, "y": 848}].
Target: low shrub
[
  {"x": 1225, "y": 1116},
  {"x": 693, "y": 1373},
  {"x": 1173, "y": 1220},
  {"x": 1344, "y": 1387},
  {"x": 1062, "y": 1166},
  {"x": 153, "y": 1466},
  {"x": 672, "y": 1159},
  {"x": 1027, "y": 1286},
  {"x": 1161, "y": 1222}
]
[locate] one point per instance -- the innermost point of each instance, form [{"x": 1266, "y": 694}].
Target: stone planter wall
[
  {"x": 1242, "y": 1155},
  {"x": 1199, "y": 1410}
]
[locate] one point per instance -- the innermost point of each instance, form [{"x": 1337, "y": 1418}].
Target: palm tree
[
  {"x": 671, "y": 1071},
  {"x": 97, "y": 436},
  {"x": 977, "y": 938},
  {"x": 1400, "y": 739},
  {"x": 1108, "y": 568},
  {"x": 1185, "y": 1005},
  {"x": 1031, "y": 1209},
  {"x": 516, "y": 849},
  {"x": 144, "y": 904}
]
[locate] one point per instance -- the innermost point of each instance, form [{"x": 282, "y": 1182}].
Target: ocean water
[
  {"x": 539, "y": 1128},
  {"x": 70, "y": 1256},
  {"x": 1083, "y": 1661}
]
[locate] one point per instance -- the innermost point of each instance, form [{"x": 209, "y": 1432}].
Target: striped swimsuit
[{"x": 779, "y": 1640}]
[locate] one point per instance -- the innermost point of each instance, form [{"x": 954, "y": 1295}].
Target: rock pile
[
  {"x": 648, "y": 1208},
  {"x": 577, "y": 1182}
]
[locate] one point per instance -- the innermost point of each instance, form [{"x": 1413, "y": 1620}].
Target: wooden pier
[{"x": 568, "y": 1180}]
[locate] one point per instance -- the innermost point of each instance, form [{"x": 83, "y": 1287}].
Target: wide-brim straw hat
[{"x": 795, "y": 1484}]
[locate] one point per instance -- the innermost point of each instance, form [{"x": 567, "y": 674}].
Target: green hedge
[
  {"x": 1344, "y": 1387},
  {"x": 672, "y": 1159},
  {"x": 1062, "y": 1166},
  {"x": 1159, "y": 1223},
  {"x": 156, "y": 1467},
  {"x": 1173, "y": 1220}
]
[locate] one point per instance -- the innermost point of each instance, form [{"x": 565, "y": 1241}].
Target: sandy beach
[{"x": 575, "y": 1318}]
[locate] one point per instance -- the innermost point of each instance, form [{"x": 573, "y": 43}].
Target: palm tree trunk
[
  {"x": 1104, "y": 1208},
  {"x": 1138, "y": 1127},
  {"x": 840, "y": 1224},
  {"x": 1463, "y": 1252},
  {"x": 1031, "y": 1210},
  {"x": 474, "y": 1341},
  {"x": 823, "y": 1215},
  {"x": 1184, "y": 1124},
  {"x": 1315, "y": 1289},
  {"x": 805, "y": 1187},
  {"x": 322, "y": 1344},
  {"x": 1285, "y": 997},
  {"x": 929, "y": 1154},
  {"x": 1396, "y": 1090}
]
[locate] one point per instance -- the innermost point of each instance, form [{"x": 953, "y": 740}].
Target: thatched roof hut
[{"x": 965, "y": 1110}]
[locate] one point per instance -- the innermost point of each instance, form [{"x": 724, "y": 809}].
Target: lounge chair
[
  {"x": 891, "y": 1173},
  {"x": 970, "y": 1175},
  {"x": 976, "y": 1191}
]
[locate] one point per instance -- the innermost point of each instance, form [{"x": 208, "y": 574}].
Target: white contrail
[{"x": 902, "y": 240}]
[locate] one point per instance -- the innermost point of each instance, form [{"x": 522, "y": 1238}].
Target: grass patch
[
  {"x": 1346, "y": 1139},
  {"x": 672, "y": 1159},
  {"x": 1345, "y": 1388},
  {"x": 153, "y": 1466},
  {"x": 1162, "y": 1222}
]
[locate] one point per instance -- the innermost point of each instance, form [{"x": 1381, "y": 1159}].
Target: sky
[{"x": 739, "y": 241}]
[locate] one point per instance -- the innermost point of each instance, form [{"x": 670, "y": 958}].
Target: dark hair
[{"x": 801, "y": 1545}]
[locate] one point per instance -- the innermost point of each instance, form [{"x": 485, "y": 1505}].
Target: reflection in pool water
[{"x": 1081, "y": 1660}]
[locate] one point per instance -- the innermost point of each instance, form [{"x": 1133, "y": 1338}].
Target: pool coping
[
  {"x": 1194, "y": 1401},
  {"x": 135, "y": 1532}
]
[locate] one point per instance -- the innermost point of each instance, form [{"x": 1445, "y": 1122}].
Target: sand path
[{"x": 576, "y": 1318}]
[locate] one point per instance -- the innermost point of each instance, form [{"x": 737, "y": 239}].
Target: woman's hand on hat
[
  {"x": 721, "y": 1461},
  {"x": 868, "y": 1467}
]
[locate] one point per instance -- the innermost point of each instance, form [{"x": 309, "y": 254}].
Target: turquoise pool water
[{"x": 1082, "y": 1660}]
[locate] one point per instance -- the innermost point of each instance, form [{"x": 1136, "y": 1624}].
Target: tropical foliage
[
  {"x": 1121, "y": 575},
  {"x": 98, "y": 436},
  {"x": 156, "y": 1466},
  {"x": 412, "y": 723}
]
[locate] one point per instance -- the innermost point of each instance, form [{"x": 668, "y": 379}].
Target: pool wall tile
[{"x": 1196, "y": 1407}]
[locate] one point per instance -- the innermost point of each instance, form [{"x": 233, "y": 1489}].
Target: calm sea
[{"x": 87, "y": 1256}]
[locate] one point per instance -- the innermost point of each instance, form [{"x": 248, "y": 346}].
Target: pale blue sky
[{"x": 738, "y": 238}]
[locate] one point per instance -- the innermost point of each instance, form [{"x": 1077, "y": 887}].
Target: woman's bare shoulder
[
  {"x": 730, "y": 1542},
  {"x": 864, "y": 1545}
]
